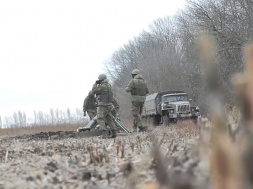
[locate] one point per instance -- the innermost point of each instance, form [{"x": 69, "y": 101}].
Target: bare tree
[
  {"x": 52, "y": 116},
  {"x": 1, "y": 124},
  {"x": 20, "y": 119},
  {"x": 69, "y": 116},
  {"x": 24, "y": 121},
  {"x": 166, "y": 53},
  {"x": 15, "y": 118},
  {"x": 41, "y": 119},
  {"x": 57, "y": 116}
]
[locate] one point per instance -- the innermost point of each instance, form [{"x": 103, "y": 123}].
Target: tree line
[
  {"x": 166, "y": 52},
  {"x": 53, "y": 118}
]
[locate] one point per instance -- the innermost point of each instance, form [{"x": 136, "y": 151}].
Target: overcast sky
[{"x": 52, "y": 51}]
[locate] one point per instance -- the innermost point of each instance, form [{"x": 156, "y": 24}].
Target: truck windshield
[{"x": 174, "y": 98}]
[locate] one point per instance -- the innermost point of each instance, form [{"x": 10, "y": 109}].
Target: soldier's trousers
[
  {"x": 91, "y": 113},
  {"x": 137, "y": 108},
  {"x": 104, "y": 119}
]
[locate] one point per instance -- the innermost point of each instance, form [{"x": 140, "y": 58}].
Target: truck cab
[
  {"x": 169, "y": 107},
  {"x": 177, "y": 106}
]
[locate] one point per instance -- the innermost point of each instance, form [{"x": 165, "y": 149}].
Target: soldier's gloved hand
[
  {"x": 84, "y": 114},
  {"x": 98, "y": 82}
]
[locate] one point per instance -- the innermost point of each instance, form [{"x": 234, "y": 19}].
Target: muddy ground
[{"x": 61, "y": 160}]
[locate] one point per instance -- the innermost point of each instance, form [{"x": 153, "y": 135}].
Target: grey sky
[{"x": 52, "y": 51}]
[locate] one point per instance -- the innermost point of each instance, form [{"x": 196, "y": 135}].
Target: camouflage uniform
[
  {"x": 116, "y": 107},
  {"x": 103, "y": 90},
  {"x": 90, "y": 106},
  {"x": 138, "y": 89}
]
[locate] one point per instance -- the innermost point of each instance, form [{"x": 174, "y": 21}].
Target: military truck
[{"x": 169, "y": 107}]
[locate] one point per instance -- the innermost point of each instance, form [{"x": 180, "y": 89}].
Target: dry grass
[{"x": 76, "y": 163}]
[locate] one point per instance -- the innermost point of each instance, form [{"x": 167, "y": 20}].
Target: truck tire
[
  {"x": 156, "y": 120},
  {"x": 174, "y": 121},
  {"x": 166, "y": 120}
]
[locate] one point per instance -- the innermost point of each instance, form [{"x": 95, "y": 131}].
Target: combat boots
[
  {"x": 105, "y": 134},
  {"x": 113, "y": 134},
  {"x": 142, "y": 129}
]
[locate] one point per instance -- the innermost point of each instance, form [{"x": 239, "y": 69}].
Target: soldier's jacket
[
  {"x": 90, "y": 103},
  {"x": 115, "y": 103},
  {"x": 103, "y": 92},
  {"x": 138, "y": 88}
]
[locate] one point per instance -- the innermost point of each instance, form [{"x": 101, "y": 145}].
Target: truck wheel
[
  {"x": 195, "y": 120},
  {"x": 166, "y": 120},
  {"x": 174, "y": 121},
  {"x": 156, "y": 120}
]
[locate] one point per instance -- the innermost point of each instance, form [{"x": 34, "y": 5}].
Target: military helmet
[
  {"x": 102, "y": 77},
  {"x": 135, "y": 72}
]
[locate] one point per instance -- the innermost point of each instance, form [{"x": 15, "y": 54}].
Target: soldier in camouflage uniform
[
  {"x": 115, "y": 109},
  {"x": 138, "y": 89},
  {"x": 103, "y": 90},
  {"x": 90, "y": 105}
]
